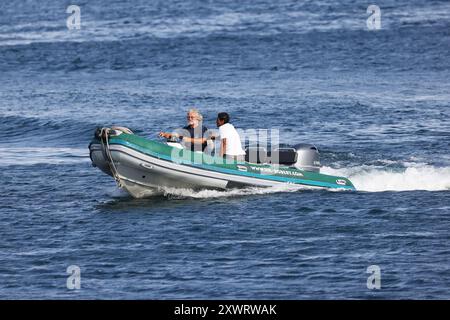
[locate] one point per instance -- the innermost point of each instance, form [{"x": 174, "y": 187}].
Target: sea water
[{"x": 375, "y": 100}]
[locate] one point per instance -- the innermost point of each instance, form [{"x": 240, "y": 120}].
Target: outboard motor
[{"x": 307, "y": 157}]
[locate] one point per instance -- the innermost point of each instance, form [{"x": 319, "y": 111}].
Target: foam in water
[
  {"x": 365, "y": 178},
  {"x": 115, "y": 192},
  {"x": 27, "y": 156},
  {"x": 413, "y": 177},
  {"x": 189, "y": 193}
]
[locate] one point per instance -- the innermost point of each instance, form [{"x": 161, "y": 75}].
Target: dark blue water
[{"x": 376, "y": 103}]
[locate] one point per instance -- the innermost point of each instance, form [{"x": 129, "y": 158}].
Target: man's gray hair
[{"x": 199, "y": 115}]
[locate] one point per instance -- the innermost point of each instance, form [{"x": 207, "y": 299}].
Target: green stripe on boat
[{"x": 216, "y": 164}]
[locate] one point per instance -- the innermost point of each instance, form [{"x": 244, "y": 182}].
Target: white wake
[
  {"x": 206, "y": 194},
  {"x": 413, "y": 177}
]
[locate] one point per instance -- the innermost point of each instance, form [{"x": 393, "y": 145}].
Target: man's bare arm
[
  {"x": 223, "y": 147},
  {"x": 194, "y": 140}
]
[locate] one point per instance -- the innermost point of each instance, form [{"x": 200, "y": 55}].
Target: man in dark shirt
[{"x": 193, "y": 135}]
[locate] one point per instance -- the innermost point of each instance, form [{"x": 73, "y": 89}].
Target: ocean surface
[{"x": 375, "y": 102}]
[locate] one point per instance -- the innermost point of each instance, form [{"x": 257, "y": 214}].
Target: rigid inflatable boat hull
[
  {"x": 143, "y": 166},
  {"x": 141, "y": 175}
]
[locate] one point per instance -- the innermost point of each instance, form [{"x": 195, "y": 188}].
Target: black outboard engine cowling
[
  {"x": 302, "y": 156},
  {"x": 307, "y": 157},
  {"x": 283, "y": 155}
]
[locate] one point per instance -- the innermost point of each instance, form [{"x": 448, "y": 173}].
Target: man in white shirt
[{"x": 230, "y": 142}]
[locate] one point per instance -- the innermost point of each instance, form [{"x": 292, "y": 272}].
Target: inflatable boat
[{"x": 141, "y": 165}]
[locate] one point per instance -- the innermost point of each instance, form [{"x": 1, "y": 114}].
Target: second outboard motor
[{"x": 307, "y": 157}]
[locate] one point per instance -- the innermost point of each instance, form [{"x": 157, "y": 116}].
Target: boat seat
[
  {"x": 255, "y": 155},
  {"x": 286, "y": 156}
]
